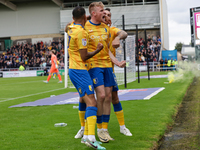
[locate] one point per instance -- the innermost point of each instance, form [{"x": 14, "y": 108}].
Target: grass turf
[{"x": 32, "y": 128}]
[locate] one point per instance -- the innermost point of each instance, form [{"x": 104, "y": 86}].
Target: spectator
[{"x": 21, "y": 67}]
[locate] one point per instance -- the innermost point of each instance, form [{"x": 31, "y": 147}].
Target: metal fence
[{"x": 153, "y": 66}]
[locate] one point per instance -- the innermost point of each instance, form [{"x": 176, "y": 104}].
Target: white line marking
[
  {"x": 30, "y": 95},
  {"x": 154, "y": 93},
  {"x": 23, "y": 82}
]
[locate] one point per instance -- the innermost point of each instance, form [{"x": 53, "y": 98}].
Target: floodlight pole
[
  {"x": 145, "y": 36},
  {"x": 124, "y": 45},
  {"x": 137, "y": 53}
]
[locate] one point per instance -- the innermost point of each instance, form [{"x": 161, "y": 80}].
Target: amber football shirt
[
  {"x": 98, "y": 33},
  {"x": 77, "y": 39}
]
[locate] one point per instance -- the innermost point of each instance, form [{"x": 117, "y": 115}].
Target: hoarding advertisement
[{"x": 197, "y": 27}]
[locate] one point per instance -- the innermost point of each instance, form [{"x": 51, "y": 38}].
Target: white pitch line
[
  {"x": 154, "y": 93},
  {"x": 22, "y": 82},
  {"x": 30, "y": 95}
]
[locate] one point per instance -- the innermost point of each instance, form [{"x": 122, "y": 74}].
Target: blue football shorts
[
  {"x": 102, "y": 76},
  {"x": 82, "y": 81}
]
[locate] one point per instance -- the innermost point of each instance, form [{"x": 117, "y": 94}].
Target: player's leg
[
  {"x": 59, "y": 76},
  {"x": 118, "y": 109},
  {"x": 83, "y": 84},
  {"x": 106, "y": 111},
  {"x": 100, "y": 93},
  {"x": 50, "y": 74},
  {"x": 82, "y": 109},
  {"x": 109, "y": 82},
  {"x": 97, "y": 76},
  {"x": 119, "y": 114},
  {"x": 91, "y": 112}
]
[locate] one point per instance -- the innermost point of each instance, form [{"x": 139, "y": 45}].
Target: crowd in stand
[
  {"x": 32, "y": 55},
  {"x": 151, "y": 51},
  {"x": 37, "y": 54}
]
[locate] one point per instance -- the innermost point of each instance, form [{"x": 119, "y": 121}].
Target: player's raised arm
[
  {"x": 121, "y": 64},
  {"x": 120, "y": 35},
  {"x": 86, "y": 55}
]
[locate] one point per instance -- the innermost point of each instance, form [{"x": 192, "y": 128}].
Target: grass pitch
[{"x": 32, "y": 128}]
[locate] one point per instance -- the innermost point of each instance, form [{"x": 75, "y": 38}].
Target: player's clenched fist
[
  {"x": 99, "y": 47},
  {"x": 122, "y": 64}
]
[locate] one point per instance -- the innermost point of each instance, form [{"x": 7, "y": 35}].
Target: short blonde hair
[{"x": 95, "y": 4}]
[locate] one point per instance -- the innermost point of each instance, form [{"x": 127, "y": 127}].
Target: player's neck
[
  {"x": 95, "y": 21},
  {"x": 79, "y": 23}
]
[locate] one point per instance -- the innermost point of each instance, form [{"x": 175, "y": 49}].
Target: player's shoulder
[
  {"x": 115, "y": 28},
  {"x": 82, "y": 32},
  {"x": 87, "y": 24}
]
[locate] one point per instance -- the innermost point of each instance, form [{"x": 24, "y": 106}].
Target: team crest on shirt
[
  {"x": 105, "y": 29},
  {"x": 95, "y": 80},
  {"x": 90, "y": 87},
  {"x": 84, "y": 42},
  {"x": 80, "y": 91}
]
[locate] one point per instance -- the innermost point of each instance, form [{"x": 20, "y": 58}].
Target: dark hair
[
  {"x": 78, "y": 12},
  {"x": 108, "y": 9}
]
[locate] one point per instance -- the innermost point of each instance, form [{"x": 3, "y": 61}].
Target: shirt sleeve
[
  {"x": 82, "y": 40},
  {"x": 116, "y": 30}
]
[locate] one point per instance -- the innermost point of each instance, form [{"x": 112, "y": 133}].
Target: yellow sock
[
  {"x": 86, "y": 128},
  {"x": 99, "y": 125},
  {"x": 120, "y": 117},
  {"x": 82, "y": 118},
  {"x": 105, "y": 125},
  {"x": 91, "y": 121}
]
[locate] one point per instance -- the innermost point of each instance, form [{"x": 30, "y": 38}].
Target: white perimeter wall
[{"x": 31, "y": 18}]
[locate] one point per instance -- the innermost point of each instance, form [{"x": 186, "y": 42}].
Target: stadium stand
[
  {"x": 37, "y": 55},
  {"x": 32, "y": 55}
]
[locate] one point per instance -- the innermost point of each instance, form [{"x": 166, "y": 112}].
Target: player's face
[
  {"x": 99, "y": 13},
  {"x": 107, "y": 18}
]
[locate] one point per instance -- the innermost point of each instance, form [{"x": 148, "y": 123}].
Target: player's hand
[
  {"x": 88, "y": 17},
  {"x": 56, "y": 66},
  {"x": 108, "y": 21},
  {"x": 99, "y": 47},
  {"x": 116, "y": 42},
  {"x": 122, "y": 64}
]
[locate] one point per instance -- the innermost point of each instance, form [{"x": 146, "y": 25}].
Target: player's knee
[
  {"x": 101, "y": 97},
  {"x": 108, "y": 97},
  {"x": 92, "y": 102}
]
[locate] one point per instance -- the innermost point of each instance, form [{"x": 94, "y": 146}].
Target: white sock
[
  {"x": 99, "y": 129},
  {"x": 105, "y": 129},
  {"x": 85, "y": 137},
  {"x": 82, "y": 128},
  {"x": 91, "y": 138},
  {"x": 122, "y": 127}
]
